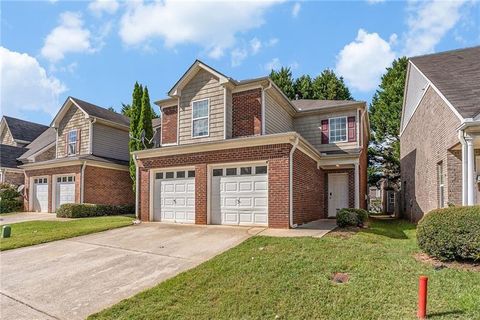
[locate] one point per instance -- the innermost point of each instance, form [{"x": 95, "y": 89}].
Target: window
[
  {"x": 231, "y": 171},
  {"x": 72, "y": 142},
  {"x": 217, "y": 172},
  {"x": 261, "y": 170},
  {"x": 245, "y": 170},
  {"x": 191, "y": 173},
  {"x": 169, "y": 175},
  {"x": 200, "y": 118},
  {"x": 180, "y": 174},
  {"x": 159, "y": 175},
  {"x": 441, "y": 185},
  {"x": 337, "y": 129}
]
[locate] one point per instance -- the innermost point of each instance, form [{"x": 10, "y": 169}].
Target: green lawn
[
  {"x": 35, "y": 232},
  {"x": 289, "y": 278}
]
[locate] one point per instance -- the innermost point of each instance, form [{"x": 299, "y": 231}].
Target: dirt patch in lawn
[
  {"x": 340, "y": 277},
  {"x": 438, "y": 265}
]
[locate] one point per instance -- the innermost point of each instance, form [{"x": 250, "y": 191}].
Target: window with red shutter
[
  {"x": 352, "y": 129},
  {"x": 324, "y": 128}
]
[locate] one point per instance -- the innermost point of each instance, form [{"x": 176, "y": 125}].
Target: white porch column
[
  {"x": 357, "y": 186},
  {"x": 464, "y": 172},
  {"x": 470, "y": 171}
]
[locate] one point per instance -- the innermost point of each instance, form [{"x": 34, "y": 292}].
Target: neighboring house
[
  {"x": 440, "y": 132},
  {"x": 82, "y": 158},
  {"x": 241, "y": 153},
  {"x": 157, "y": 131},
  {"x": 15, "y": 138}
]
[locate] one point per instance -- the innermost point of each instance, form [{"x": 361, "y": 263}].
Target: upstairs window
[
  {"x": 338, "y": 129},
  {"x": 72, "y": 142},
  {"x": 200, "y": 118}
]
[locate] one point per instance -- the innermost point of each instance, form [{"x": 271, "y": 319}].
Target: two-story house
[
  {"x": 82, "y": 158},
  {"x": 16, "y": 136},
  {"x": 440, "y": 132},
  {"x": 241, "y": 153}
]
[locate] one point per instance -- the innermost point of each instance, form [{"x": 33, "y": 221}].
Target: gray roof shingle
[
  {"x": 457, "y": 75},
  {"x": 47, "y": 137},
  {"x": 9, "y": 155},
  {"x": 102, "y": 113},
  {"x": 24, "y": 130}
]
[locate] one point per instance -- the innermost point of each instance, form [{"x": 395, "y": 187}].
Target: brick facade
[
  {"x": 107, "y": 186},
  {"x": 169, "y": 125},
  {"x": 247, "y": 113}
]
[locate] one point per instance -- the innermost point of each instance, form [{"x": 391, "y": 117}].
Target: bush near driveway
[
  {"x": 10, "y": 198},
  {"x": 451, "y": 233},
  {"x": 351, "y": 217},
  {"x": 75, "y": 210}
]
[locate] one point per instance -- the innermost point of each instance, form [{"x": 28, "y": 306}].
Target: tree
[
  {"x": 112, "y": 109},
  {"x": 283, "y": 79},
  {"x": 126, "y": 110},
  {"x": 327, "y": 86},
  {"x": 145, "y": 123},
  {"x": 135, "y": 109},
  {"x": 385, "y": 115},
  {"x": 303, "y": 87}
]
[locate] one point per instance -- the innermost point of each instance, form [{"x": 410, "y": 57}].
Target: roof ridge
[{"x": 443, "y": 52}]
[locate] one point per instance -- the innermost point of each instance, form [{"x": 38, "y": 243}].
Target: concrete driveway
[
  {"x": 72, "y": 278},
  {"x": 10, "y": 218}
]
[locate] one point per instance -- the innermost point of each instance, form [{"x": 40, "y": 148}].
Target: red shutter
[
  {"x": 78, "y": 140},
  {"x": 325, "y": 132},
  {"x": 66, "y": 144},
  {"x": 352, "y": 129}
]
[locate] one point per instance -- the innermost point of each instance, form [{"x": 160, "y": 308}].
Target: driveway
[
  {"x": 9, "y": 218},
  {"x": 72, "y": 278}
]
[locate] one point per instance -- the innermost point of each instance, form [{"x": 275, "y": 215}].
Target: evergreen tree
[
  {"x": 327, "y": 86},
  {"x": 283, "y": 79},
  {"x": 385, "y": 115},
  {"x": 134, "y": 120},
  {"x": 145, "y": 123},
  {"x": 112, "y": 109},
  {"x": 126, "y": 110},
  {"x": 303, "y": 87}
]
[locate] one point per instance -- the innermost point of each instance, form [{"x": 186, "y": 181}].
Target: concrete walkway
[
  {"x": 73, "y": 278},
  {"x": 316, "y": 229},
  {"x": 9, "y": 218}
]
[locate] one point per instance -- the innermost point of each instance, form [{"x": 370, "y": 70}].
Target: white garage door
[
  {"x": 65, "y": 190},
  {"x": 174, "y": 196},
  {"x": 240, "y": 195},
  {"x": 40, "y": 195}
]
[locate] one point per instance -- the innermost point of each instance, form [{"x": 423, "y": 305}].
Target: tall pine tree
[
  {"x": 303, "y": 87},
  {"x": 283, "y": 79},
  {"x": 327, "y": 86},
  {"x": 145, "y": 123},
  {"x": 135, "y": 109}
]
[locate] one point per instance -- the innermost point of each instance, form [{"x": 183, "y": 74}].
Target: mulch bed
[{"x": 438, "y": 265}]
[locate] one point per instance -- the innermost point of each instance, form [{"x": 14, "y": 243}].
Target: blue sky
[{"x": 97, "y": 50}]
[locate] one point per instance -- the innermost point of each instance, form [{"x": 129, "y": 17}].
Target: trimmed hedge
[
  {"x": 451, "y": 233},
  {"x": 75, "y": 210},
  {"x": 351, "y": 217}
]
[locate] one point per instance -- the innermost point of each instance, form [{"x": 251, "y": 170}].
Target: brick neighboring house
[
  {"x": 440, "y": 132},
  {"x": 16, "y": 136},
  {"x": 82, "y": 158},
  {"x": 241, "y": 153}
]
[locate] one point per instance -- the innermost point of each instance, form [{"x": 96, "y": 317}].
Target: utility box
[{"x": 6, "y": 231}]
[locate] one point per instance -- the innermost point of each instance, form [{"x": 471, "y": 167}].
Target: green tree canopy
[
  {"x": 134, "y": 112},
  {"x": 385, "y": 116},
  {"x": 327, "y": 86},
  {"x": 145, "y": 123},
  {"x": 283, "y": 79},
  {"x": 303, "y": 87}
]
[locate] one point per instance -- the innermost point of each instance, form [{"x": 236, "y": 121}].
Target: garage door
[
  {"x": 174, "y": 196},
  {"x": 40, "y": 195},
  {"x": 240, "y": 195},
  {"x": 65, "y": 190}
]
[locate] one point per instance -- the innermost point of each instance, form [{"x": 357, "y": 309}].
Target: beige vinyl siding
[
  {"x": 202, "y": 86},
  {"x": 6, "y": 138},
  {"x": 73, "y": 119},
  {"x": 309, "y": 126},
  {"x": 110, "y": 142},
  {"x": 277, "y": 118},
  {"x": 228, "y": 110}
]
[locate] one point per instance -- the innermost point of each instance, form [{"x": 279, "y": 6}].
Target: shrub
[
  {"x": 351, "y": 217},
  {"x": 362, "y": 215},
  {"x": 451, "y": 233},
  {"x": 75, "y": 210},
  {"x": 10, "y": 198}
]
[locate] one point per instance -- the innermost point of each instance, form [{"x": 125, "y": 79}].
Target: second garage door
[
  {"x": 65, "y": 190},
  {"x": 240, "y": 195}
]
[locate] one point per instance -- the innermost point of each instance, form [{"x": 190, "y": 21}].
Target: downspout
[
  {"x": 464, "y": 167},
  {"x": 136, "y": 185},
  {"x": 82, "y": 181},
  {"x": 290, "y": 195},
  {"x": 90, "y": 135}
]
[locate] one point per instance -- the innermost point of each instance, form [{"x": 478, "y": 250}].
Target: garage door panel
[
  {"x": 190, "y": 202},
  {"x": 260, "y": 186},
  {"x": 245, "y": 202},
  {"x": 260, "y": 202},
  {"x": 168, "y": 187},
  {"x": 40, "y": 196},
  {"x": 231, "y": 186},
  {"x": 191, "y": 187},
  {"x": 245, "y": 186},
  {"x": 180, "y": 188},
  {"x": 176, "y": 199},
  {"x": 230, "y": 202}
]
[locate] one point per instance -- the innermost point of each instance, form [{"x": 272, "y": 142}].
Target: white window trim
[
  {"x": 330, "y": 131},
  {"x": 68, "y": 142},
  {"x": 200, "y": 118}
]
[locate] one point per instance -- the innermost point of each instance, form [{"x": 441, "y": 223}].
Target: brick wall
[
  {"x": 201, "y": 198},
  {"x": 454, "y": 177},
  {"x": 308, "y": 186},
  {"x": 107, "y": 186},
  {"x": 144, "y": 196},
  {"x": 15, "y": 178},
  {"x": 169, "y": 125},
  {"x": 247, "y": 113},
  {"x": 425, "y": 143},
  {"x": 351, "y": 187}
]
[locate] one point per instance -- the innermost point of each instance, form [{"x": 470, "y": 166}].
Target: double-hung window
[
  {"x": 200, "y": 118},
  {"x": 440, "y": 185},
  {"x": 72, "y": 142},
  {"x": 337, "y": 129}
]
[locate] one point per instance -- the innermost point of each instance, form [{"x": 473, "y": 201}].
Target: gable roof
[
  {"x": 456, "y": 74},
  {"x": 9, "y": 155},
  {"x": 23, "y": 130},
  {"x": 312, "y": 104},
  {"x": 47, "y": 138}
]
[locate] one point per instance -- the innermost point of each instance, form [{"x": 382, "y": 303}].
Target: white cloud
[
  {"x": 98, "y": 7},
  {"x": 210, "y": 24},
  {"x": 238, "y": 55},
  {"x": 428, "y": 22},
  {"x": 272, "y": 42},
  {"x": 26, "y": 85},
  {"x": 273, "y": 64},
  {"x": 296, "y": 9},
  {"x": 363, "y": 61},
  {"x": 241, "y": 52},
  {"x": 255, "y": 45},
  {"x": 375, "y": 1},
  {"x": 68, "y": 36}
]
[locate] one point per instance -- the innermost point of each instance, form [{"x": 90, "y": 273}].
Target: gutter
[
  {"x": 82, "y": 181},
  {"x": 136, "y": 185},
  {"x": 290, "y": 182}
]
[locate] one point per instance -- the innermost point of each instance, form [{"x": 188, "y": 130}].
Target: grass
[
  {"x": 290, "y": 278},
  {"x": 36, "y": 232}
]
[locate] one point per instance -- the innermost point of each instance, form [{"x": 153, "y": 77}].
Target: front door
[{"x": 337, "y": 193}]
